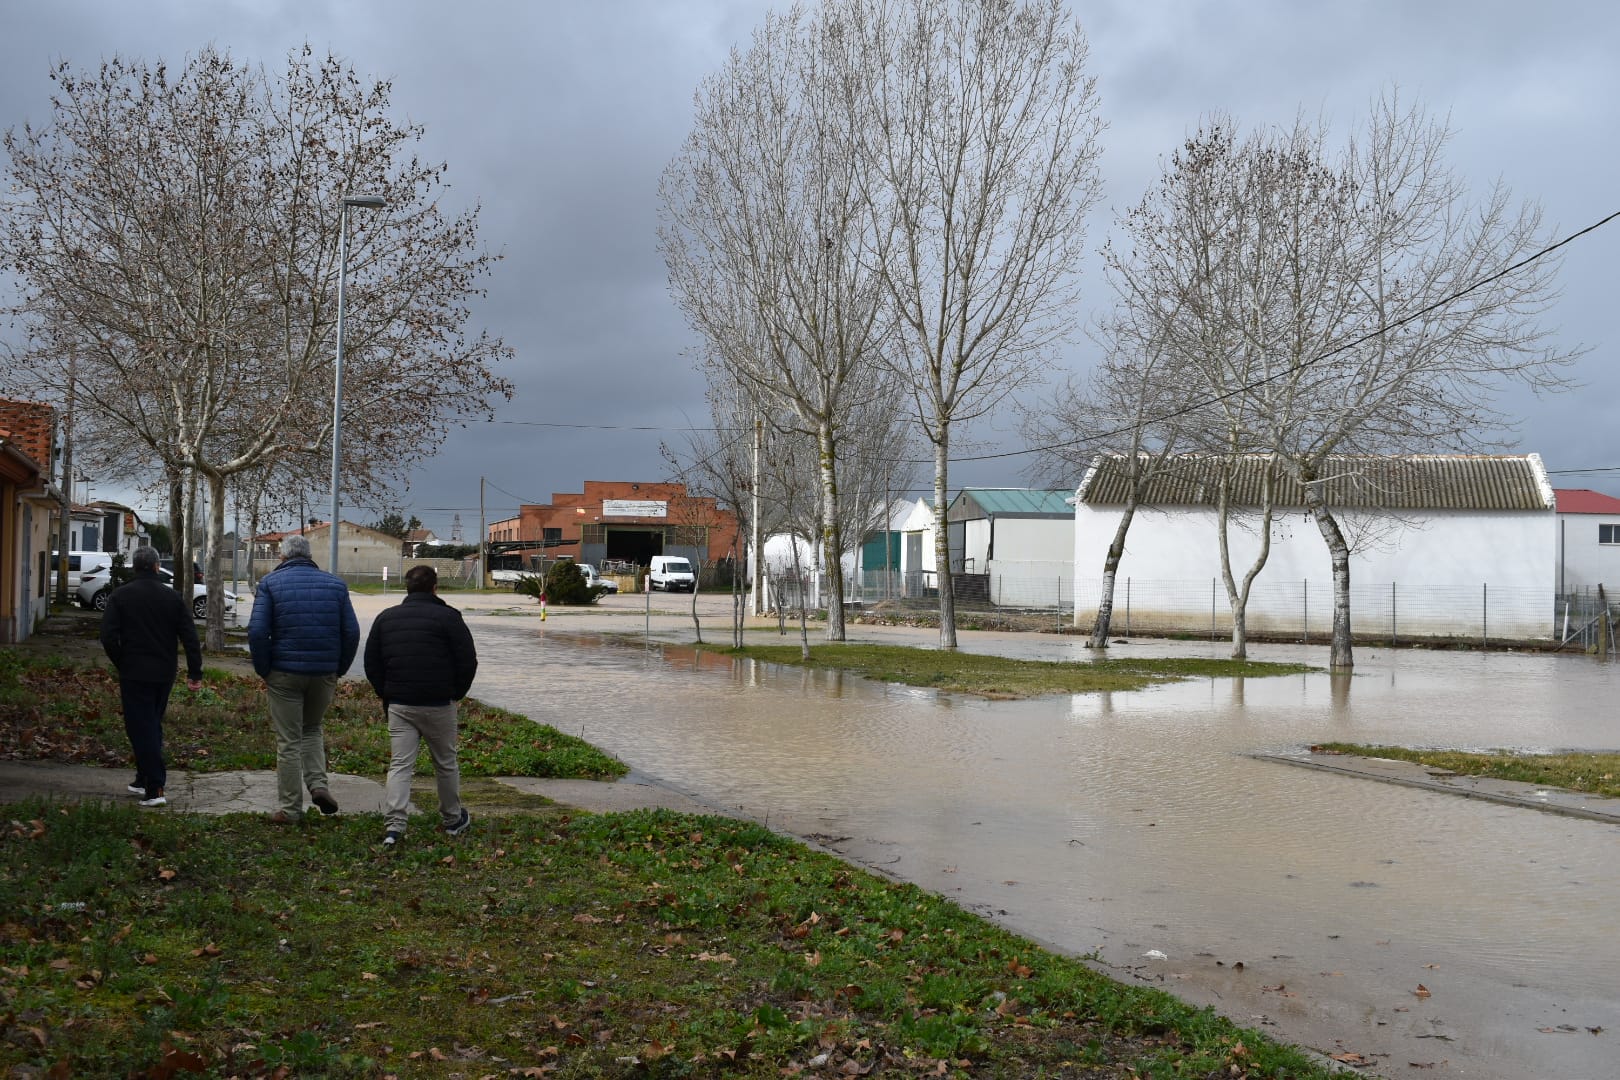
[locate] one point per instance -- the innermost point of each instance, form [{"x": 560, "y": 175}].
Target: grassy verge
[
  {"x": 644, "y": 944},
  {"x": 1594, "y": 774},
  {"x": 54, "y": 709},
  {"x": 1000, "y": 677}
]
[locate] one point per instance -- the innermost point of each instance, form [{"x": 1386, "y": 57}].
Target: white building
[
  {"x": 1442, "y": 545},
  {"x": 1013, "y": 546},
  {"x": 1588, "y": 541},
  {"x": 918, "y": 561}
]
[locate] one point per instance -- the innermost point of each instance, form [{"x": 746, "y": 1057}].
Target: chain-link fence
[{"x": 1384, "y": 612}]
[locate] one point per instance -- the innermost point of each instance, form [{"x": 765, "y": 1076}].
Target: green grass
[
  {"x": 1594, "y": 774},
  {"x": 644, "y": 944},
  {"x": 1000, "y": 677},
  {"x": 61, "y": 711}
]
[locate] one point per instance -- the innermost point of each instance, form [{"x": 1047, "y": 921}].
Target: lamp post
[{"x": 370, "y": 202}]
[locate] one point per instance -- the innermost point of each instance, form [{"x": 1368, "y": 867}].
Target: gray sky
[{"x": 558, "y": 117}]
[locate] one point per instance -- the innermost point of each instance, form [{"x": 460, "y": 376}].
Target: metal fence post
[
  {"x": 1392, "y": 615},
  {"x": 1212, "y": 609},
  {"x": 1127, "y": 607},
  {"x": 1484, "y": 612},
  {"x": 1305, "y": 635}
]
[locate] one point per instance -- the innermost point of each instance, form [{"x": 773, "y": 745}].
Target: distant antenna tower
[{"x": 455, "y": 530}]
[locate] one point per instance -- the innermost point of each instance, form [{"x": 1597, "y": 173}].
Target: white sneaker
[
  {"x": 155, "y": 800},
  {"x": 136, "y": 789}
]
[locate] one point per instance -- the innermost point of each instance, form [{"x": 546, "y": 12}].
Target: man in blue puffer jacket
[{"x": 303, "y": 635}]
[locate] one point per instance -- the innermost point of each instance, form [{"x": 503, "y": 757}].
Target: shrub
[{"x": 564, "y": 584}]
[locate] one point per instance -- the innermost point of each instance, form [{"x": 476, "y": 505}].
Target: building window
[
  {"x": 1609, "y": 534},
  {"x": 551, "y": 537}
]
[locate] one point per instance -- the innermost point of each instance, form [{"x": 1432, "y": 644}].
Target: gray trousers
[
  {"x": 298, "y": 704},
  {"x": 408, "y": 727}
]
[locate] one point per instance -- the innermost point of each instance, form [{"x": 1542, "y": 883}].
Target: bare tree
[
  {"x": 981, "y": 169},
  {"x": 176, "y": 233},
  {"x": 764, "y": 235},
  {"x": 1353, "y": 301},
  {"x": 1131, "y": 414}
]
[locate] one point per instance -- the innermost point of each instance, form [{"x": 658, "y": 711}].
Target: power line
[{"x": 1363, "y": 339}]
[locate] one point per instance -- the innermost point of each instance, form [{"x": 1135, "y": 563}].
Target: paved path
[{"x": 254, "y": 792}]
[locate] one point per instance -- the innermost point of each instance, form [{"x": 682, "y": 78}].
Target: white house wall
[
  {"x": 1587, "y": 563},
  {"x": 1444, "y": 573}
]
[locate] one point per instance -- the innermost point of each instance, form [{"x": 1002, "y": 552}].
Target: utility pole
[
  {"x": 483, "y": 537},
  {"x": 756, "y": 563}
]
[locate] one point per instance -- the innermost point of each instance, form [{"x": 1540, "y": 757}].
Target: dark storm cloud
[{"x": 558, "y": 117}]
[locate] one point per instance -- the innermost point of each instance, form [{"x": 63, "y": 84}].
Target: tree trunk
[
  {"x": 64, "y": 528},
  {"x": 214, "y": 573},
  {"x": 1105, "y": 604},
  {"x": 697, "y": 576},
  {"x": 179, "y": 514},
  {"x": 1340, "y": 657},
  {"x": 832, "y": 546},
  {"x": 942, "y": 548}
]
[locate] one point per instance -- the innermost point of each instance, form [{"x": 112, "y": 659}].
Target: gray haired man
[{"x": 303, "y": 636}]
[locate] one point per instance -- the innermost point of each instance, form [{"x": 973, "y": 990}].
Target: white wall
[
  {"x": 1034, "y": 539},
  {"x": 1452, "y": 572},
  {"x": 1587, "y": 563}
]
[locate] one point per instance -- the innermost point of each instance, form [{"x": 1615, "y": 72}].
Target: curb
[{"x": 1502, "y": 792}]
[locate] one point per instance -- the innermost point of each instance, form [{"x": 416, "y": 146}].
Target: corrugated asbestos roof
[
  {"x": 1010, "y": 502},
  {"x": 1419, "y": 482}
]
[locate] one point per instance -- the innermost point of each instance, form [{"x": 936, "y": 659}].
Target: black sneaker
[
  {"x": 323, "y": 799},
  {"x": 391, "y": 838},
  {"x": 461, "y": 825}
]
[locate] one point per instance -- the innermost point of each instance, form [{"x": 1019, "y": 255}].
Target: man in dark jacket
[
  {"x": 421, "y": 660},
  {"x": 303, "y": 635},
  {"x": 143, "y": 620}
]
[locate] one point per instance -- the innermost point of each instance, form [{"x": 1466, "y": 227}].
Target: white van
[
  {"x": 81, "y": 564},
  {"x": 671, "y": 574}
]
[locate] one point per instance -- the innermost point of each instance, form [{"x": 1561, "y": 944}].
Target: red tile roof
[{"x": 1586, "y": 501}]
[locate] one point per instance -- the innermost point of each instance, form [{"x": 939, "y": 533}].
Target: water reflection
[{"x": 1130, "y": 820}]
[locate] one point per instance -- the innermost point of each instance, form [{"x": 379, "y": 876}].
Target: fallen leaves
[{"x": 1421, "y": 991}]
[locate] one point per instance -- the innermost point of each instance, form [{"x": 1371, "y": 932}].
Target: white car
[{"x": 95, "y": 588}]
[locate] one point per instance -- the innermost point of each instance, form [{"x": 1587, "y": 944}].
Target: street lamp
[{"x": 370, "y": 202}]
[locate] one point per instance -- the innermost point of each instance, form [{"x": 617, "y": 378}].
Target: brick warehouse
[{"x": 617, "y": 521}]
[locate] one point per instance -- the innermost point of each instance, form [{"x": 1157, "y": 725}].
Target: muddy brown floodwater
[{"x": 1311, "y": 905}]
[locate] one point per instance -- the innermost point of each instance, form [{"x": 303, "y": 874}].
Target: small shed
[{"x": 1012, "y": 546}]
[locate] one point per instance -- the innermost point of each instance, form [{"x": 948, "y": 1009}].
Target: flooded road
[{"x": 1121, "y": 823}]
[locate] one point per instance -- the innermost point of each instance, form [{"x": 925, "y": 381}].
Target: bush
[{"x": 563, "y": 585}]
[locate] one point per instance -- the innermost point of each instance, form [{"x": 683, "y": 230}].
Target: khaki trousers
[
  {"x": 408, "y": 727},
  {"x": 298, "y": 704}
]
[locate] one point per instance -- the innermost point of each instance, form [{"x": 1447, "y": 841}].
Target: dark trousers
[{"x": 144, "y": 705}]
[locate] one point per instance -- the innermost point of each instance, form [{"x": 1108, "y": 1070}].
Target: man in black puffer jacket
[
  {"x": 421, "y": 661},
  {"x": 143, "y": 620}
]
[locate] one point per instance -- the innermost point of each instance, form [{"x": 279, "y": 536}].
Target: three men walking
[
  {"x": 139, "y": 630},
  {"x": 421, "y": 661},
  {"x": 302, "y": 635}
]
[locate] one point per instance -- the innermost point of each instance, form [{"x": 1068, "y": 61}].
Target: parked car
[
  {"x": 94, "y": 589},
  {"x": 593, "y": 578},
  {"x": 80, "y": 563},
  {"x": 671, "y": 574}
]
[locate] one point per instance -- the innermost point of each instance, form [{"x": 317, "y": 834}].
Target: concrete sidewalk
[
  {"x": 254, "y": 792},
  {"x": 1411, "y": 774}
]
